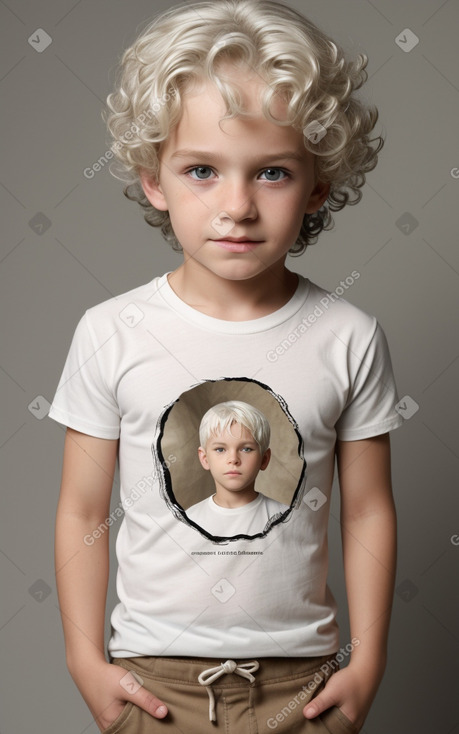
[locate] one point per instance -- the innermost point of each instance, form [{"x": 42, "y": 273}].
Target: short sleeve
[
  {"x": 83, "y": 401},
  {"x": 370, "y": 408}
]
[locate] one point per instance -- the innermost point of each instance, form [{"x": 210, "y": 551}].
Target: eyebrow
[
  {"x": 224, "y": 443},
  {"x": 280, "y": 155}
]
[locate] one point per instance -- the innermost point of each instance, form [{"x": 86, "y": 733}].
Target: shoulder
[
  {"x": 199, "y": 508},
  {"x": 335, "y": 304},
  {"x": 119, "y": 314},
  {"x": 119, "y": 305},
  {"x": 271, "y": 505},
  {"x": 333, "y": 317}
]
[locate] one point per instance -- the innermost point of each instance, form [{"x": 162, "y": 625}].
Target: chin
[{"x": 241, "y": 272}]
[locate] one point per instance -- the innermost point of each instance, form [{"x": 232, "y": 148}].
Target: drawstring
[{"x": 207, "y": 677}]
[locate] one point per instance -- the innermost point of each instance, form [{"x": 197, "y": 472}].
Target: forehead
[
  {"x": 203, "y": 107},
  {"x": 237, "y": 432}
]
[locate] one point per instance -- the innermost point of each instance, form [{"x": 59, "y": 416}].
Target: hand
[
  {"x": 349, "y": 689},
  {"x": 105, "y": 696}
]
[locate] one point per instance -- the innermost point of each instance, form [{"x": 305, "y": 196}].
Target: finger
[
  {"x": 132, "y": 684},
  {"x": 149, "y": 703},
  {"x": 318, "y": 705}
]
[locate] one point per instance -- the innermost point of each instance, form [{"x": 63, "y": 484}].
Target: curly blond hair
[{"x": 294, "y": 58}]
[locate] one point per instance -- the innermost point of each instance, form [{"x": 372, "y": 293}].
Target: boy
[
  {"x": 234, "y": 440},
  {"x": 238, "y": 131}
]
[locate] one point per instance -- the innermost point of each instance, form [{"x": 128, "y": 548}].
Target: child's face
[
  {"x": 234, "y": 460},
  {"x": 258, "y": 173}
]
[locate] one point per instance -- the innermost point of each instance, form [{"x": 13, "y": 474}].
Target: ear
[
  {"x": 153, "y": 190},
  {"x": 318, "y": 196},
  {"x": 265, "y": 459},
  {"x": 203, "y": 458}
]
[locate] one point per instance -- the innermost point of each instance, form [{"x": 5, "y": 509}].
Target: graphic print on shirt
[{"x": 187, "y": 488}]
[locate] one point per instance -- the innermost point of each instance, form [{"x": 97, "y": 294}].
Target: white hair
[
  {"x": 295, "y": 59},
  {"x": 221, "y": 417}
]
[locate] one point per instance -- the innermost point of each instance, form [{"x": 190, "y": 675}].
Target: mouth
[
  {"x": 232, "y": 474},
  {"x": 237, "y": 244}
]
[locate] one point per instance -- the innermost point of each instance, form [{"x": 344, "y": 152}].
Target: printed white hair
[
  {"x": 221, "y": 417},
  {"x": 296, "y": 60}
]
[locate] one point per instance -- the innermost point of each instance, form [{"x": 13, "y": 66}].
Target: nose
[
  {"x": 233, "y": 457},
  {"x": 238, "y": 198}
]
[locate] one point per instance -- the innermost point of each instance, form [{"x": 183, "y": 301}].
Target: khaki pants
[{"x": 273, "y": 702}]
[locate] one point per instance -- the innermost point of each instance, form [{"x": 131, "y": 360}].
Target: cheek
[
  {"x": 186, "y": 211},
  {"x": 286, "y": 212},
  {"x": 175, "y": 192},
  {"x": 293, "y": 208},
  {"x": 180, "y": 192}
]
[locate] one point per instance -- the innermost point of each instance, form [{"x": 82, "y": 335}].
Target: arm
[
  {"x": 81, "y": 569},
  {"x": 368, "y": 524},
  {"x": 82, "y": 576}
]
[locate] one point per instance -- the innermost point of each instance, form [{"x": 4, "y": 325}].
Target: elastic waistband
[{"x": 187, "y": 669}]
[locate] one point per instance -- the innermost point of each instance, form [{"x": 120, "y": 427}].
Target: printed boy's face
[
  {"x": 234, "y": 460},
  {"x": 241, "y": 178}
]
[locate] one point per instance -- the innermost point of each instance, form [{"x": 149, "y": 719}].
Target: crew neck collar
[
  {"x": 210, "y": 323},
  {"x": 241, "y": 510}
]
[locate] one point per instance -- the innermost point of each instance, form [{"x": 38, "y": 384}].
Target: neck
[
  {"x": 232, "y": 500},
  {"x": 233, "y": 300}
]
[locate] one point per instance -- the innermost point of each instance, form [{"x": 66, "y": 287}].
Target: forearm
[
  {"x": 369, "y": 549},
  {"x": 368, "y": 528},
  {"x": 82, "y": 579}
]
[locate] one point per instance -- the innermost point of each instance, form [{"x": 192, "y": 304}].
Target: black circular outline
[{"x": 162, "y": 470}]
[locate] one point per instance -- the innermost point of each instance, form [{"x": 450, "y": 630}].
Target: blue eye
[
  {"x": 199, "y": 170},
  {"x": 274, "y": 172}
]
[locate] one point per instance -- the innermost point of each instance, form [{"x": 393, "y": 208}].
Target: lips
[
  {"x": 237, "y": 245},
  {"x": 243, "y": 238}
]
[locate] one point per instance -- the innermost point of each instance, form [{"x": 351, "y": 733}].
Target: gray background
[{"x": 97, "y": 245}]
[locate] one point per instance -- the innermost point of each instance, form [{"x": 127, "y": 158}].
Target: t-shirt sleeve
[
  {"x": 83, "y": 399},
  {"x": 370, "y": 408}
]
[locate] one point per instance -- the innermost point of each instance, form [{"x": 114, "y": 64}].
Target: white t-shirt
[
  {"x": 139, "y": 359},
  {"x": 230, "y": 521}
]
